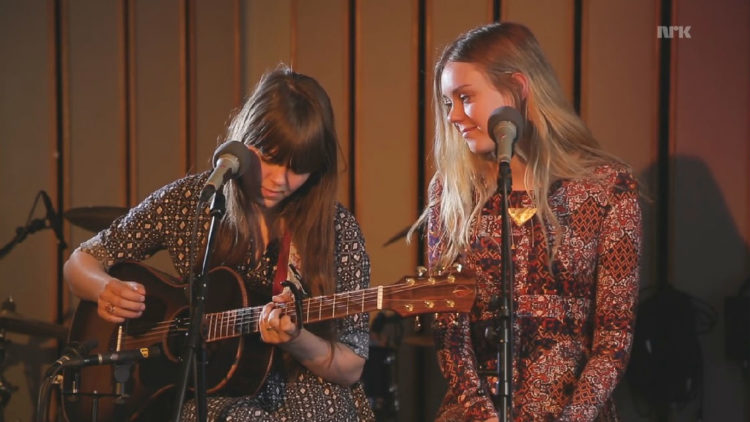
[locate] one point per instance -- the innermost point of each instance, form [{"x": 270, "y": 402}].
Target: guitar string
[{"x": 248, "y": 317}]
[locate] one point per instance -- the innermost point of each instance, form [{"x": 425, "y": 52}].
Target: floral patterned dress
[
  {"x": 574, "y": 318},
  {"x": 164, "y": 221}
]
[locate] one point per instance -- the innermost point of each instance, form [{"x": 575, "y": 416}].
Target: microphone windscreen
[
  {"x": 237, "y": 149},
  {"x": 505, "y": 114}
]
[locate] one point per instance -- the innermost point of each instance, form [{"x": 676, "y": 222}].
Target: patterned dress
[
  {"x": 574, "y": 319},
  {"x": 164, "y": 221}
]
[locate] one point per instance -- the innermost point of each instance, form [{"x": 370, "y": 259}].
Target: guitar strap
[{"x": 282, "y": 265}]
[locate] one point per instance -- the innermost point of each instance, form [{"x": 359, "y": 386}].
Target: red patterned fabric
[{"x": 574, "y": 319}]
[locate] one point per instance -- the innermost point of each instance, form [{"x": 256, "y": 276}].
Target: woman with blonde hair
[
  {"x": 281, "y": 211},
  {"x": 575, "y": 236}
]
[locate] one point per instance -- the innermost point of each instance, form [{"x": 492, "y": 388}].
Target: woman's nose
[
  {"x": 456, "y": 114},
  {"x": 279, "y": 175}
]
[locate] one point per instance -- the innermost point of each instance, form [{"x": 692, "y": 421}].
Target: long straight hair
[
  {"x": 288, "y": 119},
  {"x": 556, "y": 143}
]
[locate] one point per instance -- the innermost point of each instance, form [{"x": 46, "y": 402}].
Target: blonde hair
[{"x": 556, "y": 144}]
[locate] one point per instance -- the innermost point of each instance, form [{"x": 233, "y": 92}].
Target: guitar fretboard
[{"x": 236, "y": 322}]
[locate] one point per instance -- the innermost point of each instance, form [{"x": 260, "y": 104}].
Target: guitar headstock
[{"x": 449, "y": 290}]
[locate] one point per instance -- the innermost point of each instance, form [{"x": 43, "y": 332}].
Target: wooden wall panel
[
  {"x": 386, "y": 132},
  {"x": 322, "y": 51},
  {"x": 711, "y": 188},
  {"x": 216, "y": 75},
  {"x": 267, "y": 38},
  {"x": 158, "y": 147},
  {"x": 619, "y": 98},
  {"x": 95, "y": 169},
  {"x": 188, "y": 64},
  {"x": 446, "y": 20},
  {"x": 552, "y": 24},
  {"x": 27, "y": 164}
]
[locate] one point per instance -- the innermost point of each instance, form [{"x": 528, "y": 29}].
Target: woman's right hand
[{"x": 121, "y": 300}]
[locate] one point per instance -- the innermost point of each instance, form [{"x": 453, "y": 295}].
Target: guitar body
[
  {"x": 236, "y": 366},
  {"x": 238, "y": 361}
]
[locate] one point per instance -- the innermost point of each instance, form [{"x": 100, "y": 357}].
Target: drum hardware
[
  {"x": 10, "y": 321},
  {"x": 15, "y": 323}
]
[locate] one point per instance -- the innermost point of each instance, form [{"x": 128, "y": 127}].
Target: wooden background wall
[{"x": 102, "y": 102}]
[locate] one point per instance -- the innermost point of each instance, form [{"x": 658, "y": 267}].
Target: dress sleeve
[
  {"x": 466, "y": 398},
  {"x": 145, "y": 229},
  {"x": 616, "y": 300},
  {"x": 352, "y": 273}
]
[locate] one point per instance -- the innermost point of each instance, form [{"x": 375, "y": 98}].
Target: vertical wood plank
[
  {"x": 267, "y": 37},
  {"x": 28, "y": 148},
  {"x": 711, "y": 188},
  {"x": 157, "y": 119},
  {"x": 551, "y": 21},
  {"x": 214, "y": 76},
  {"x": 95, "y": 152},
  {"x": 322, "y": 51},
  {"x": 385, "y": 131},
  {"x": 619, "y": 96}
]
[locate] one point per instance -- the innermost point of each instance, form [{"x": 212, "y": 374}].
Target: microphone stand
[
  {"x": 21, "y": 232},
  {"x": 194, "y": 352},
  {"x": 502, "y": 397}
]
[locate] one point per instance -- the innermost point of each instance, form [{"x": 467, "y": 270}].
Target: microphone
[
  {"x": 53, "y": 218},
  {"x": 230, "y": 161},
  {"x": 505, "y": 126},
  {"x": 74, "y": 350},
  {"x": 124, "y": 356}
]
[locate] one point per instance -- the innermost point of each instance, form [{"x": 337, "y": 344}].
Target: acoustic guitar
[{"x": 238, "y": 361}]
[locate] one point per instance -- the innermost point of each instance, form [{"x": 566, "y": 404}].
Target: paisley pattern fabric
[
  {"x": 165, "y": 219},
  {"x": 574, "y": 317}
]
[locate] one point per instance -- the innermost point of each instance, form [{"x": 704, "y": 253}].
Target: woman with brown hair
[{"x": 283, "y": 208}]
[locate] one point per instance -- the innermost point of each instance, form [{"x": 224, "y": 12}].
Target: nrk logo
[{"x": 669, "y": 31}]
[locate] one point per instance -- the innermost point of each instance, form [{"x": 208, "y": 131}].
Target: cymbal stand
[{"x": 6, "y": 388}]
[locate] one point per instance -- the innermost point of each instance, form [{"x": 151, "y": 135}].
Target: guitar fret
[
  {"x": 210, "y": 323},
  {"x": 333, "y": 311},
  {"x": 320, "y": 308},
  {"x": 230, "y": 322},
  {"x": 307, "y": 318}
]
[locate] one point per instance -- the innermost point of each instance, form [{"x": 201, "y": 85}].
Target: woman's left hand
[{"x": 275, "y": 326}]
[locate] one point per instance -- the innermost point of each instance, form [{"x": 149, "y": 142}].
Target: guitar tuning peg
[
  {"x": 440, "y": 270},
  {"x": 458, "y": 267},
  {"x": 421, "y": 271},
  {"x": 417, "y": 324}
]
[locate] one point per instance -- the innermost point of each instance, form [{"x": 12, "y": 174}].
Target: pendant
[{"x": 521, "y": 215}]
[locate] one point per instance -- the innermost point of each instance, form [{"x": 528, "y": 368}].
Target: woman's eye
[{"x": 464, "y": 98}]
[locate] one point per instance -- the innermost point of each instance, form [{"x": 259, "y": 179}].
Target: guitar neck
[{"x": 236, "y": 322}]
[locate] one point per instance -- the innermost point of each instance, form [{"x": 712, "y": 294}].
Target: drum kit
[{"x": 89, "y": 218}]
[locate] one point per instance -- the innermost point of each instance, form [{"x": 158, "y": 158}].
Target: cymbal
[
  {"x": 93, "y": 218},
  {"x": 15, "y": 323},
  {"x": 420, "y": 340}
]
